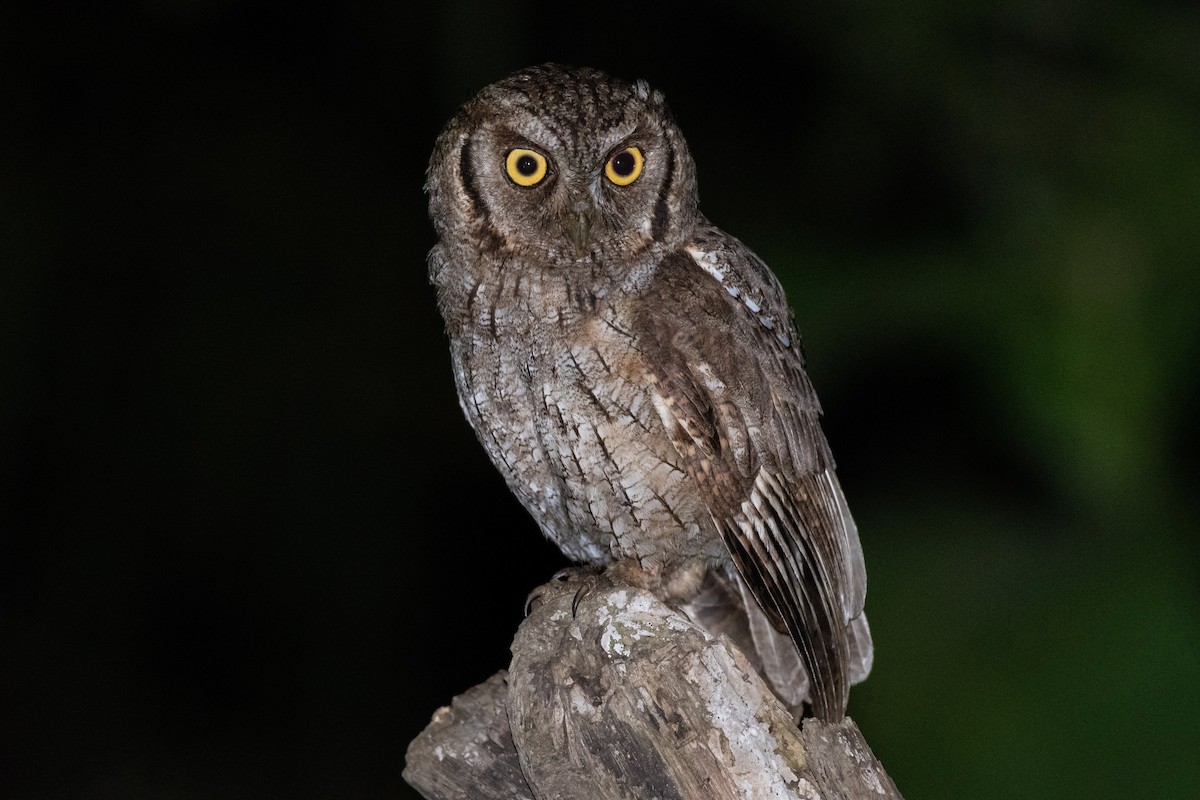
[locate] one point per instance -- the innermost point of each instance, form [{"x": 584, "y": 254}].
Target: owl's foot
[
  {"x": 586, "y": 576},
  {"x": 676, "y": 584},
  {"x": 632, "y": 572}
]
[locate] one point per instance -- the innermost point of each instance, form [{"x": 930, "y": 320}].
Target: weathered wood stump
[{"x": 613, "y": 694}]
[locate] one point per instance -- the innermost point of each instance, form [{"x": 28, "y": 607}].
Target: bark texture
[
  {"x": 612, "y": 694},
  {"x": 466, "y": 752}
]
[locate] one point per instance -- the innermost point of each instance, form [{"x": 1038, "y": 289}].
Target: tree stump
[{"x": 613, "y": 694}]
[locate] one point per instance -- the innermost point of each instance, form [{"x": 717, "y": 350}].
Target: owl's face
[{"x": 563, "y": 167}]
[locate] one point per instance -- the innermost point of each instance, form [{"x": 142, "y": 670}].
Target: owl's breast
[{"x": 565, "y": 411}]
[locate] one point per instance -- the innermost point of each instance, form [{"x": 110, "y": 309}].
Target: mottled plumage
[{"x": 635, "y": 374}]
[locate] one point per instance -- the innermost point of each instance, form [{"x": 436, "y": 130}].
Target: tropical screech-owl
[{"x": 635, "y": 374}]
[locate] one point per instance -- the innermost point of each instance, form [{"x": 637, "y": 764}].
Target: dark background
[{"x": 248, "y": 544}]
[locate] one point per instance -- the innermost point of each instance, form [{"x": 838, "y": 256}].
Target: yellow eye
[
  {"x": 625, "y": 166},
  {"x": 525, "y": 167}
]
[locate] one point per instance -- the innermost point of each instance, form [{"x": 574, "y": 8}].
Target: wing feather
[{"x": 729, "y": 383}]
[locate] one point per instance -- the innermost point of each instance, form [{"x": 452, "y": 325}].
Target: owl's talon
[
  {"x": 579, "y": 594},
  {"x": 532, "y": 598}
]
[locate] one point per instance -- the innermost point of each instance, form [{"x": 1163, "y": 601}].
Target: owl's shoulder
[{"x": 715, "y": 279}]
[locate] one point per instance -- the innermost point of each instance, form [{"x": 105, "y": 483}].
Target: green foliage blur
[{"x": 248, "y": 543}]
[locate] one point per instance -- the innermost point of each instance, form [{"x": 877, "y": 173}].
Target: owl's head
[{"x": 563, "y": 166}]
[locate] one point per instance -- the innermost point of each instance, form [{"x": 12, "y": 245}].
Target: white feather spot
[
  {"x": 711, "y": 381},
  {"x": 664, "y": 411},
  {"x": 708, "y": 262}
]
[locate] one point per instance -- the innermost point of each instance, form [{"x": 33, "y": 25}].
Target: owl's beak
[{"x": 577, "y": 225}]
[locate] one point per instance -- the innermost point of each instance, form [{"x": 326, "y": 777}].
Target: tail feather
[
  {"x": 862, "y": 650},
  {"x": 781, "y": 665},
  {"x": 725, "y": 606}
]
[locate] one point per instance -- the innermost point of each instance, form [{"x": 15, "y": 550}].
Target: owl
[{"x": 634, "y": 372}]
